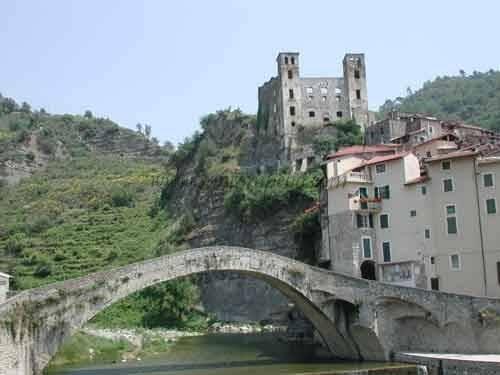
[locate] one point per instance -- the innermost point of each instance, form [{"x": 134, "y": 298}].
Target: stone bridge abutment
[{"x": 357, "y": 319}]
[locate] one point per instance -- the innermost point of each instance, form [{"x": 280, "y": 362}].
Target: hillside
[
  {"x": 29, "y": 139},
  {"x": 474, "y": 99}
]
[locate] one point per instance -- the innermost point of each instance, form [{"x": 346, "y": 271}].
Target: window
[
  {"x": 451, "y": 219},
  {"x": 367, "y": 247},
  {"x": 488, "y": 180},
  {"x": 455, "y": 263},
  {"x": 290, "y": 94},
  {"x": 383, "y": 192},
  {"x": 286, "y": 60},
  {"x": 434, "y": 283},
  {"x": 293, "y": 123},
  {"x": 491, "y": 206},
  {"x": 423, "y": 189},
  {"x": 363, "y": 192},
  {"x": 339, "y": 114},
  {"x": 413, "y": 213},
  {"x": 323, "y": 90},
  {"x": 364, "y": 221},
  {"x": 428, "y": 154},
  {"x": 326, "y": 119},
  {"x": 384, "y": 221},
  {"x": 358, "y": 94},
  {"x": 446, "y": 165},
  {"x": 323, "y": 99},
  {"x": 386, "y": 251},
  {"x": 380, "y": 168},
  {"x": 338, "y": 90},
  {"x": 298, "y": 164},
  {"x": 357, "y": 75},
  {"x": 312, "y": 114},
  {"x": 447, "y": 185},
  {"x": 427, "y": 234},
  {"x": 290, "y": 74},
  {"x": 310, "y": 97},
  {"x": 293, "y": 60},
  {"x": 309, "y": 90},
  {"x": 433, "y": 260},
  {"x": 292, "y": 111},
  {"x": 338, "y": 98}
]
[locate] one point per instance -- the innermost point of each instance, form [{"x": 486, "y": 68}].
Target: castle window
[
  {"x": 286, "y": 60},
  {"x": 338, "y": 98},
  {"x": 356, "y": 74},
  {"x": 292, "y": 111},
  {"x": 293, "y": 60},
  {"x": 312, "y": 114},
  {"x": 310, "y": 97},
  {"x": 338, "y": 90},
  {"x": 323, "y": 90},
  {"x": 323, "y": 98},
  {"x": 339, "y": 114},
  {"x": 290, "y": 74},
  {"x": 326, "y": 119},
  {"x": 290, "y": 94},
  {"x": 293, "y": 123},
  {"x": 358, "y": 94},
  {"x": 309, "y": 90}
]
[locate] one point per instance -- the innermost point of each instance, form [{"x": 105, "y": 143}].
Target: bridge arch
[{"x": 66, "y": 306}]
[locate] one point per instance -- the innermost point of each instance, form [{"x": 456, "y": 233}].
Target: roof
[
  {"x": 489, "y": 160},
  {"x": 452, "y": 155},
  {"x": 360, "y": 149},
  {"x": 4, "y": 275},
  {"x": 438, "y": 138},
  {"x": 385, "y": 158}
]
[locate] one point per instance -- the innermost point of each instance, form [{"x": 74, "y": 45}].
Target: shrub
[
  {"x": 121, "y": 198},
  {"x": 14, "y": 245},
  {"x": 43, "y": 269}
]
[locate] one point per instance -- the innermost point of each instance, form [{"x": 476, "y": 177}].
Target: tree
[
  {"x": 147, "y": 131},
  {"x": 25, "y": 107},
  {"x": 139, "y": 128},
  {"x": 88, "y": 114}
]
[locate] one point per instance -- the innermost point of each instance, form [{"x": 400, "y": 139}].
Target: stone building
[
  {"x": 290, "y": 102},
  {"x": 430, "y": 223},
  {"x": 4, "y": 286}
]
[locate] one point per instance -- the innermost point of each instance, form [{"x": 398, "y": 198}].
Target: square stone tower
[{"x": 288, "y": 103}]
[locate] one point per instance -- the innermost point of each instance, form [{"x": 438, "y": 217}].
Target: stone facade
[
  {"x": 289, "y": 102},
  {"x": 356, "y": 319}
]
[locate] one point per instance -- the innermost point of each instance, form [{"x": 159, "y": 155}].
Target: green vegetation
[
  {"x": 82, "y": 348},
  {"x": 256, "y": 197},
  {"x": 348, "y": 133},
  {"x": 474, "y": 98},
  {"x": 307, "y": 230},
  {"x": 170, "y": 305}
]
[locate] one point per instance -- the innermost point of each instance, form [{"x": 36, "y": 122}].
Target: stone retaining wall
[
  {"x": 438, "y": 366},
  {"x": 398, "y": 370}
]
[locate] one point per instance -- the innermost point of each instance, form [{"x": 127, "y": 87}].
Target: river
[{"x": 223, "y": 354}]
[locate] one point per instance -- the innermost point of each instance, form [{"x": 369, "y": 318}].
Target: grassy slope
[
  {"x": 77, "y": 217},
  {"x": 474, "y": 99}
]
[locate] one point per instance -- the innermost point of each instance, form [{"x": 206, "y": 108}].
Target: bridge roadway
[{"x": 357, "y": 319}]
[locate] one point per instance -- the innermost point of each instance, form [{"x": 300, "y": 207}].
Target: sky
[{"x": 168, "y": 63}]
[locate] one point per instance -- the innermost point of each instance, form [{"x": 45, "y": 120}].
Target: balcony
[
  {"x": 365, "y": 204},
  {"x": 349, "y": 177}
]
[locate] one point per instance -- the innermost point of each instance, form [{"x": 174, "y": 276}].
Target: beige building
[
  {"x": 390, "y": 217},
  {"x": 4, "y": 286}
]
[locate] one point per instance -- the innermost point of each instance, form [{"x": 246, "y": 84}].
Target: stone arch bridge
[{"x": 357, "y": 319}]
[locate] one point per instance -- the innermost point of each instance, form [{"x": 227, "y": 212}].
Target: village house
[{"x": 430, "y": 223}]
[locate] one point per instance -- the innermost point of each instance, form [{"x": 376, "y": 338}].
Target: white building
[
  {"x": 4, "y": 286},
  {"x": 382, "y": 218}
]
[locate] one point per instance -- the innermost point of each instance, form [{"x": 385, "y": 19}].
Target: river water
[{"x": 224, "y": 354}]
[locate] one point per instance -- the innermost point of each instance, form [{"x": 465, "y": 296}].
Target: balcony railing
[
  {"x": 356, "y": 177},
  {"x": 365, "y": 204}
]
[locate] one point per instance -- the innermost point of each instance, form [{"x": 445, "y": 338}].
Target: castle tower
[
  {"x": 355, "y": 88},
  {"x": 289, "y": 77}
]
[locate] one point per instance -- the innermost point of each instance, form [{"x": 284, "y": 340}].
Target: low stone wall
[
  {"x": 450, "y": 366},
  {"x": 397, "y": 370}
]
